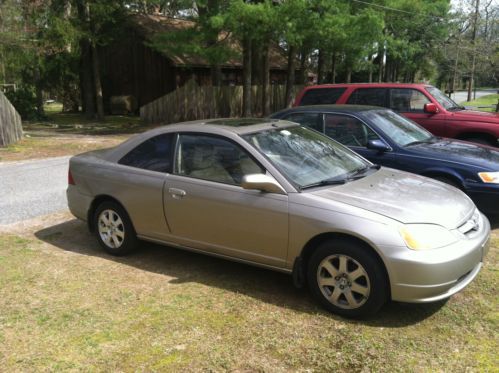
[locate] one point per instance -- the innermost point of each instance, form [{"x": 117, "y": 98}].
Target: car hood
[
  {"x": 403, "y": 196},
  {"x": 451, "y": 150},
  {"x": 475, "y": 116}
]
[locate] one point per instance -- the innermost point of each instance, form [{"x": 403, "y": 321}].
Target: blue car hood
[{"x": 464, "y": 152}]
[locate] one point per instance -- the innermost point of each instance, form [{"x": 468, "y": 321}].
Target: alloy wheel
[
  {"x": 343, "y": 281},
  {"x": 111, "y": 228}
]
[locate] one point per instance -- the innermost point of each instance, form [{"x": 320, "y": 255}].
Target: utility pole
[{"x": 472, "y": 73}]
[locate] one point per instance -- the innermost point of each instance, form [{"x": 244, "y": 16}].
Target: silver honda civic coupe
[{"x": 284, "y": 197}]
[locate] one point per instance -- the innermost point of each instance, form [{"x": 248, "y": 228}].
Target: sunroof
[{"x": 240, "y": 122}]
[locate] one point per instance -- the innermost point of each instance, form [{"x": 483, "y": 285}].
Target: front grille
[{"x": 471, "y": 225}]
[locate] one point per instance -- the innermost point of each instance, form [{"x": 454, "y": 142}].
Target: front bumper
[{"x": 432, "y": 275}]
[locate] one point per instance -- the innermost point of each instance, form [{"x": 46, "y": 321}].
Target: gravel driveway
[{"x": 32, "y": 188}]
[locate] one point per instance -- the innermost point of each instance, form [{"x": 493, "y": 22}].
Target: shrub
[{"x": 24, "y": 101}]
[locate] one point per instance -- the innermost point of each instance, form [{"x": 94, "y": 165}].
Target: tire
[
  {"x": 330, "y": 274},
  {"x": 114, "y": 229}
]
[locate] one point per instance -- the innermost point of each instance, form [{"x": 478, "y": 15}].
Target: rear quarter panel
[{"x": 140, "y": 192}]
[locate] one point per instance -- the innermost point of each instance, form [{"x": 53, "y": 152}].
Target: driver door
[{"x": 206, "y": 207}]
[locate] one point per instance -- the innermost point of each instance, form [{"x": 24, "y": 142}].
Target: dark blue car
[{"x": 391, "y": 140}]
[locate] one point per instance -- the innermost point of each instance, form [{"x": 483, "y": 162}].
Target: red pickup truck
[{"x": 424, "y": 104}]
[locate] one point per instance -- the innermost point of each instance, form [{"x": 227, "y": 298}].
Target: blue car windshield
[
  {"x": 399, "y": 129},
  {"x": 309, "y": 158}
]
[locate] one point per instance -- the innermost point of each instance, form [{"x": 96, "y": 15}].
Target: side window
[
  {"x": 348, "y": 130},
  {"x": 321, "y": 96},
  {"x": 407, "y": 100},
  {"x": 154, "y": 154},
  {"x": 368, "y": 96},
  {"x": 311, "y": 120},
  {"x": 215, "y": 159}
]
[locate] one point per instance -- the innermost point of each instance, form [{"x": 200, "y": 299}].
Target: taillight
[{"x": 70, "y": 178}]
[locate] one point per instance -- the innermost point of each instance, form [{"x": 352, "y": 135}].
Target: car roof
[
  {"x": 331, "y": 107},
  {"x": 368, "y": 85},
  {"x": 220, "y": 126},
  {"x": 238, "y": 126}
]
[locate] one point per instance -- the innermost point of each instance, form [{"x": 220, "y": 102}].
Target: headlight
[
  {"x": 426, "y": 236},
  {"x": 489, "y": 177}
]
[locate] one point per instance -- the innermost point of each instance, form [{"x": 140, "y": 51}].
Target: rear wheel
[
  {"x": 114, "y": 229},
  {"x": 347, "y": 279}
]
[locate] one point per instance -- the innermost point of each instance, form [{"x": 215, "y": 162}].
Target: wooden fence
[
  {"x": 191, "y": 102},
  {"x": 10, "y": 122}
]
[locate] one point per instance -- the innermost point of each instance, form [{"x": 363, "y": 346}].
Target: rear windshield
[{"x": 321, "y": 96}]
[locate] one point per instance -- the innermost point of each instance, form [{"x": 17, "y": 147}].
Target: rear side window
[
  {"x": 154, "y": 154},
  {"x": 368, "y": 96},
  {"x": 321, "y": 96},
  {"x": 311, "y": 120}
]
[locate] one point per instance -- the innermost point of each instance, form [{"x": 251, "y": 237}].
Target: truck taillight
[{"x": 70, "y": 178}]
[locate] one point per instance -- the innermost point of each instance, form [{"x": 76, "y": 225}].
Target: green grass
[
  {"x": 67, "y": 306},
  {"x": 487, "y": 100}
]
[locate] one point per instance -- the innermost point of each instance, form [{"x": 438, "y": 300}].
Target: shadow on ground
[{"x": 265, "y": 285}]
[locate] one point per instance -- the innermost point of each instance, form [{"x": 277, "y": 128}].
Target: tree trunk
[
  {"x": 39, "y": 94},
  {"x": 86, "y": 81},
  {"x": 320, "y": 67},
  {"x": 86, "y": 73},
  {"x": 97, "y": 84},
  {"x": 290, "y": 76},
  {"x": 216, "y": 75},
  {"x": 381, "y": 55},
  {"x": 473, "y": 58},
  {"x": 349, "y": 73},
  {"x": 247, "y": 77},
  {"x": 302, "y": 79},
  {"x": 333, "y": 67},
  {"x": 265, "y": 80},
  {"x": 370, "y": 60}
]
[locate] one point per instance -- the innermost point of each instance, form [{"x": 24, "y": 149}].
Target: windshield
[
  {"x": 399, "y": 129},
  {"x": 308, "y": 158},
  {"x": 442, "y": 99}
]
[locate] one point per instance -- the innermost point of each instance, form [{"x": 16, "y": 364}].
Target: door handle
[{"x": 177, "y": 193}]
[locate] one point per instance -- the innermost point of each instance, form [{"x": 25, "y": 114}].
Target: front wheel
[
  {"x": 347, "y": 279},
  {"x": 114, "y": 229}
]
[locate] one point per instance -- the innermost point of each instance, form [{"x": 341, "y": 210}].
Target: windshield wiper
[
  {"x": 325, "y": 182},
  {"x": 362, "y": 172},
  {"x": 354, "y": 175}
]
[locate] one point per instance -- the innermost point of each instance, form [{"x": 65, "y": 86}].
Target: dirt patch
[{"x": 45, "y": 145}]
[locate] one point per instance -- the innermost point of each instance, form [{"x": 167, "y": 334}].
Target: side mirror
[
  {"x": 431, "y": 108},
  {"x": 378, "y": 145},
  {"x": 262, "y": 182}
]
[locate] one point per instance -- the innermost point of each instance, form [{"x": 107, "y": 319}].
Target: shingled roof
[{"x": 149, "y": 25}]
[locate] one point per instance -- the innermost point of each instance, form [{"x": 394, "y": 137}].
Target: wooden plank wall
[
  {"x": 11, "y": 129},
  {"x": 192, "y": 102}
]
